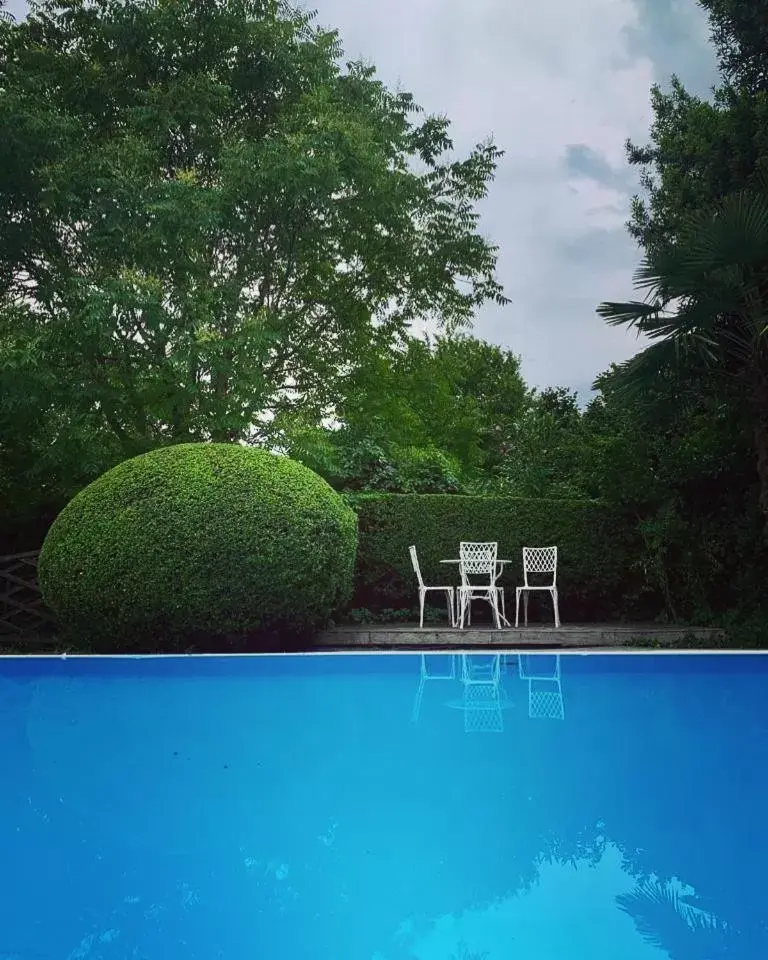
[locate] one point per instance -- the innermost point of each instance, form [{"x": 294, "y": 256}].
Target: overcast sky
[{"x": 560, "y": 85}]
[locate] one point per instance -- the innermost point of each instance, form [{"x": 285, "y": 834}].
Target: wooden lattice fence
[{"x": 22, "y": 611}]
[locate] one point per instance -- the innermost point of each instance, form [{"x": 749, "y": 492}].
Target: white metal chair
[
  {"x": 537, "y": 560},
  {"x": 423, "y": 589},
  {"x": 478, "y": 559}
]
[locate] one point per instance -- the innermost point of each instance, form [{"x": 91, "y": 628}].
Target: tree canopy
[{"x": 219, "y": 223}]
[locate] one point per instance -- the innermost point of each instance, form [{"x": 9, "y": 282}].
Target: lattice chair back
[
  {"x": 539, "y": 560},
  {"x": 415, "y": 564},
  {"x": 481, "y": 668},
  {"x": 477, "y": 559}
]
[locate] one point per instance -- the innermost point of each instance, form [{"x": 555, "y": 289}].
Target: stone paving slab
[{"x": 570, "y": 636}]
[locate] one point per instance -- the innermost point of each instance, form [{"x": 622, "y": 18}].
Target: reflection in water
[
  {"x": 663, "y": 915},
  {"x": 284, "y": 810},
  {"x": 545, "y": 694},
  {"x": 484, "y": 697}
]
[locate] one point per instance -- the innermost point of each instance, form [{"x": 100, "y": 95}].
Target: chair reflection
[
  {"x": 484, "y": 699},
  {"x": 481, "y": 679},
  {"x": 545, "y": 692},
  {"x": 448, "y": 673}
]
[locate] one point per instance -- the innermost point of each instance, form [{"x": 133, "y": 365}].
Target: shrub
[
  {"x": 199, "y": 538},
  {"x": 594, "y": 569},
  {"x": 425, "y": 470}
]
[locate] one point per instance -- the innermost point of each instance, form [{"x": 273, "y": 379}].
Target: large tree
[
  {"x": 701, "y": 402},
  {"x": 223, "y": 221},
  {"x": 739, "y": 32},
  {"x": 455, "y": 391},
  {"x": 702, "y": 150},
  {"x": 706, "y": 308},
  {"x": 699, "y": 152}
]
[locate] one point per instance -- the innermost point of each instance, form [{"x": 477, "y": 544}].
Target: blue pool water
[{"x": 348, "y": 808}]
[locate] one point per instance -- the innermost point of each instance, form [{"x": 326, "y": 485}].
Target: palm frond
[
  {"x": 687, "y": 327},
  {"x": 634, "y": 313},
  {"x": 706, "y": 293},
  {"x": 735, "y": 233},
  {"x": 634, "y": 378},
  {"x": 668, "y": 922}
]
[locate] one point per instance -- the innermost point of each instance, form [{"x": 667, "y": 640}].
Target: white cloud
[{"x": 540, "y": 77}]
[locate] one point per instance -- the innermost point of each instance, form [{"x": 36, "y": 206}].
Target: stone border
[{"x": 384, "y": 637}]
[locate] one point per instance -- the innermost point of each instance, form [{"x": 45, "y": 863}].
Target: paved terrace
[{"x": 589, "y": 636}]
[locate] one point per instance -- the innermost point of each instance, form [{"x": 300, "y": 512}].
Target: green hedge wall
[{"x": 594, "y": 556}]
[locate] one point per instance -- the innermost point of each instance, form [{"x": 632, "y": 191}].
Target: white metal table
[{"x": 499, "y": 563}]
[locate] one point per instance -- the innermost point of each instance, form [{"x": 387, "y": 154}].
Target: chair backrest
[
  {"x": 481, "y": 668},
  {"x": 415, "y": 563},
  {"x": 539, "y": 666},
  {"x": 477, "y": 559},
  {"x": 540, "y": 560}
]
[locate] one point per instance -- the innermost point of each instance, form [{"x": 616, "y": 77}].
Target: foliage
[
  {"x": 740, "y": 35},
  {"x": 593, "y": 554},
  {"x": 668, "y": 922},
  {"x": 699, "y": 152},
  {"x": 402, "y": 615},
  {"x": 545, "y": 451},
  {"x": 431, "y": 417},
  {"x": 677, "y": 463},
  {"x": 680, "y": 453},
  {"x": 403, "y": 470},
  {"x": 464, "y": 394},
  {"x": 52, "y": 443},
  {"x": 706, "y": 305},
  {"x": 198, "y": 538},
  {"x": 211, "y": 223}
]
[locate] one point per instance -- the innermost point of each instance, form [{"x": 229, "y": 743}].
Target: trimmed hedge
[
  {"x": 594, "y": 557},
  {"x": 199, "y": 539}
]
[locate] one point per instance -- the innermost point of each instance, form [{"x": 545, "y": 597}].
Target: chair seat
[
  {"x": 438, "y": 588},
  {"x": 550, "y": 586}
]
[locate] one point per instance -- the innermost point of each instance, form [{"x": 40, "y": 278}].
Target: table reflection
[{"x": 487, "y": 685}]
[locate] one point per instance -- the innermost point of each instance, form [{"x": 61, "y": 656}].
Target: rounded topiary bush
[{"x": 198, "y": 539}]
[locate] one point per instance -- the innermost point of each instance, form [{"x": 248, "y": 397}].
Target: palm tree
[
  {"x": 5, "y": 15},
  {"x": 707, "y": 304}
]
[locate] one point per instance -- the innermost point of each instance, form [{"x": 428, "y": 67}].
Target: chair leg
[
  {"x": 449, "y": 598},
  {"x": 461, "y": 609},
  {"x": 422, "y": 596},
  {"x": 525, "y": 606},
  {"x": 503, "y": 603},
  {"x": 493, "y": 596},
  {"x": 556, "y": 605},
  {"x": 517, "y": 607}
]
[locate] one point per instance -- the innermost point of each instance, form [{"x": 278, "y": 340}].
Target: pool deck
[
  {"x": 571, "y": 636},
  {"x": 382, "y": 636}
]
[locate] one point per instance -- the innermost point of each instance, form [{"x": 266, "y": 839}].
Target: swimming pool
[{"x": 355, "y": 807}]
